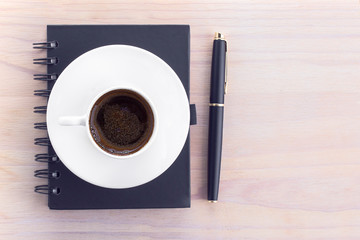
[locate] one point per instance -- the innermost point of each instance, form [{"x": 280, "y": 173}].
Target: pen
[{"x": 218, "y": 89}]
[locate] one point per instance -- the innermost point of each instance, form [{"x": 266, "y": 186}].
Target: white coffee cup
[{"x": 96, "y": 134}]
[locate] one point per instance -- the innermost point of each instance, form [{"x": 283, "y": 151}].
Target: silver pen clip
[{"x": 226, "y": 69}]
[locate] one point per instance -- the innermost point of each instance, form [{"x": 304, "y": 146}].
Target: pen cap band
[{"x": 218, "y": 72}]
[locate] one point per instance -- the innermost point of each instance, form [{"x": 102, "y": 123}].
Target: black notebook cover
[{"x": 169, "y": 190}]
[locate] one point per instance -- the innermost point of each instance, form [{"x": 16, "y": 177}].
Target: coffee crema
[{"x": 121, "y": 122}]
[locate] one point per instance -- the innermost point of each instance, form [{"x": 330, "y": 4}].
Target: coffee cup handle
[{"x": 72, "y": 121}]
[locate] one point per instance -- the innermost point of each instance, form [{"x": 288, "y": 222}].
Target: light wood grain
[{"x": 291, "y": 154}]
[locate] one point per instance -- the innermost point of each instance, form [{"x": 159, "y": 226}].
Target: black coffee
[{"x": 121, "y": 122}]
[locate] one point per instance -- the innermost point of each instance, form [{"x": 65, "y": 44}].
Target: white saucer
[{"x": 119, "y": 66}]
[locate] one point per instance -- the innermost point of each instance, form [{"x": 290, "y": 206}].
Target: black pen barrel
[
  {"x": 216, "y": 114},
  {"x": 214, "y": 151}
]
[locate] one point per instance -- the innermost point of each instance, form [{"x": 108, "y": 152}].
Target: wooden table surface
[{"x": 291, "y": 154}]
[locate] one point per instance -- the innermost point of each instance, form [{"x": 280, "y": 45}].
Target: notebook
[{"x": 65, "y": 190}]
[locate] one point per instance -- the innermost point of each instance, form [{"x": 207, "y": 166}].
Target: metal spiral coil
[
  {"x": 45, "y": 173},
  {"x": 45, "y": 189},
  {"x": 46, "y": 45},
  {"x": 40, "y": 109},
  {"x": 40, "y": 125},
  {"x": 46, "y": 158},
  {"x": 46, "y": 61},
  {"x": 42, "y": 93},
  {"x": 46, "y": 77},
  {"x": 42, "y": 141}
]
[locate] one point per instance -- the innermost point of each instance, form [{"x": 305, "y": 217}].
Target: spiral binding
[
  {"x": 42, "y": 141},
  {"x": 45, "y": 141},
  {"x": 40, "y": 125},
  {"x": 46, "y": 158},
  {"x": 45, "y": 189},
  {"x": 42, "y": 93},
  {"x": 45, "y": 77},
  {"x": 46, "y": 61},
  {"x": 46, "y": 45},
  {"x": 40, "y": 109}
]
